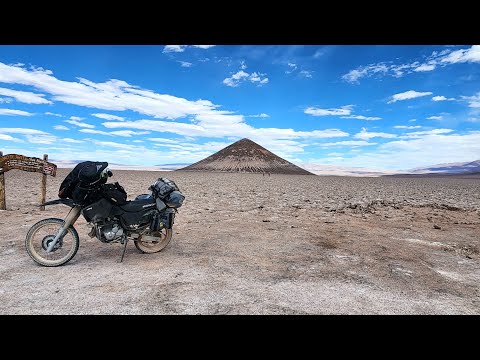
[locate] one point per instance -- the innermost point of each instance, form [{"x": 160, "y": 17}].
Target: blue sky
[{"x": 380, "y": 107}]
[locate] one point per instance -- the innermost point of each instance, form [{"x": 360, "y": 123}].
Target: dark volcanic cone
[{"x": 246, "y": 156}]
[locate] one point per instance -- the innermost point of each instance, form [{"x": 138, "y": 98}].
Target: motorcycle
[{"x": 148, "y": 221}]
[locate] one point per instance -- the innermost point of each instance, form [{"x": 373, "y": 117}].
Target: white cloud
[
  {"x": 241, "y": 76},
  {"x": 73, "y": 141},
  {"x": 435, "y": 117},
  {"x": 361, "y": 117},
  {"x": 129, "y": 133},
  {"x": 349, "y": 143},
  {"x": 262, "y": 115},
  {"x": 354, "y": 75},
  {"x": 434, "y": 149},
  {"x": 407, "y": 127},
  {"x": 203, "y": 46},
  {"x": 162, "y": 140},
  {"x": 60, "y": 127},
  {"x": 80, "y": 124},
  {"x": 344, "y": 110},
  {"x": 410, "y": 94},
  {"x": 113, "y": 144},
  {"x": 76, "y": 118},
  {"x": 306, "y": 73},
  {"x": 23, "y": 131},
  {"x": 124, "y": 133},
  {"x": 109, "y": 117},
  {"x": 8, "y": 138},
  {"x": 41, "y": 139},
  {"x": 442, "y": 98},
  {"x": 474, "y": 101},
  {"x": 25, "y": 96},
  {"x": 6, "y": 100},
  {"x": 471, "y": 55},
  {"x": 174, "y": 48},
  {"x": 442, "y": 58},
  {"x": 185, "y": 63},
  {"x": 207, "y": 119},
  {"x": 426, "y": 133},
  {"x": 425, "y": 67},
  {"x": 13, "y": 112},
  {"x": 365, "y": 135},
  {"x": 182, "y": 48},
  {"x": 53, "y": 114}
]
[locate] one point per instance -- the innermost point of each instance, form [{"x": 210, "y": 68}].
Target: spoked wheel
[
  {"x": 164, "y": 236},
  {"x": 42, "y": 234}
]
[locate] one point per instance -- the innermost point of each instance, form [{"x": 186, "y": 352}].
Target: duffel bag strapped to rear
[
  {"x": 115, "y": 193},
  {"x": 163, "y": 187},
  {"x": 174, "y": 199}
]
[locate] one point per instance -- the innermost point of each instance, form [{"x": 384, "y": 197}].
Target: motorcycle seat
[{"x": 138, "y": 205}]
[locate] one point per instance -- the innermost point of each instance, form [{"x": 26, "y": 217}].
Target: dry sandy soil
[{"x": 253, "y": 244}]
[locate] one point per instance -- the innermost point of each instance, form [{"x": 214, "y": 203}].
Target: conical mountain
[{"x": 246, "y": 156}]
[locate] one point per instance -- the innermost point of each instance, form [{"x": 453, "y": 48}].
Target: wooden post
[
  {"x": 3, "y": 205},
  {"x": 43, "y": 190}
]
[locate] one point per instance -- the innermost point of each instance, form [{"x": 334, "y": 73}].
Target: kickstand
[{"x": 124, "y": 248}]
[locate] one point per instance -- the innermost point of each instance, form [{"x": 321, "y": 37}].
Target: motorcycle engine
[{"x": 110, "y": 232}]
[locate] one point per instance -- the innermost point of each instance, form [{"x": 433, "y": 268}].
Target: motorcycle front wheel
[
  {"x": 42, "y": 233},
  {"x": 150, "y": 247}
]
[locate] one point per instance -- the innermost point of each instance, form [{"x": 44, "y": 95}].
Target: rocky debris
[{"x": 438, "y": 227}]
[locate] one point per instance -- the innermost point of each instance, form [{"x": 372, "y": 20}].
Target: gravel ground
[{"x": 253, "y": 244}]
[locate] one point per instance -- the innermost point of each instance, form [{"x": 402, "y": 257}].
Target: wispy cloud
[
  {"x": 108, "y": 117},
  {"x": 425, "y": 67},
  {"x": 429, "y": 63},
  {"x": 463, "y": 55},
  {"x": 407, "y": 95},
  {"x": 23, "y": 131},
  {"x": 442, "y": 98},
  {"x": 426, "y": 133},
  {"x": 60, "y": 127},
  {"x": 315, "y": 111},
  {"x": 125, "y": 133},
  {"x": 262, "y": 115},
  {"x": 473, "y": 101},
  {"x": 25, "y": 96},
  {"x": 435, "y": 148},
  {"x": 174, "y": 48},
  {"x": 306, "y": 73},
  {"x": 53, "y": 114},
  {"x": 182, "y": 48},
  {"x": 361, "y": 117},
  {"x": 80, "y": 124},
  {"x": 8, "y": 138},
  {"x": 439, "y": 117},
  {"x": 203, "y": 46},
  {"x": 185, "y": 63},
  {"x": 407, "y": 127},
  {"x": 350, "y": 143},
  {"x": 365, "y": 135},
  {"x": 14, "y": 112},
  {"x": 72, "y": 141}
]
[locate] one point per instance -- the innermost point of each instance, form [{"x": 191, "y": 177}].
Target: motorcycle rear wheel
[
  {"x": 40, "y": 235},
  {"x": 150, "y": 247}
]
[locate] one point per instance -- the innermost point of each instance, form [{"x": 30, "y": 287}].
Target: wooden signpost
[{"x": 32, "y": 164}]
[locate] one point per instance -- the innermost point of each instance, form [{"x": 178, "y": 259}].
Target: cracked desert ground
[{"x": 253, "y": 244}]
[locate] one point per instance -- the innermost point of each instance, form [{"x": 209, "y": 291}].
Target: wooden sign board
[{"x": 32, "y": 164}]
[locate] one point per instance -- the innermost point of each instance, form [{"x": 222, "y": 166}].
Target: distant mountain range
[
  {"x": 450, "y": 168},
  {"x": 460, "y": 168}
]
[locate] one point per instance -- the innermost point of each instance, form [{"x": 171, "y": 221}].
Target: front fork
[{"x": 70, "y": 219}]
